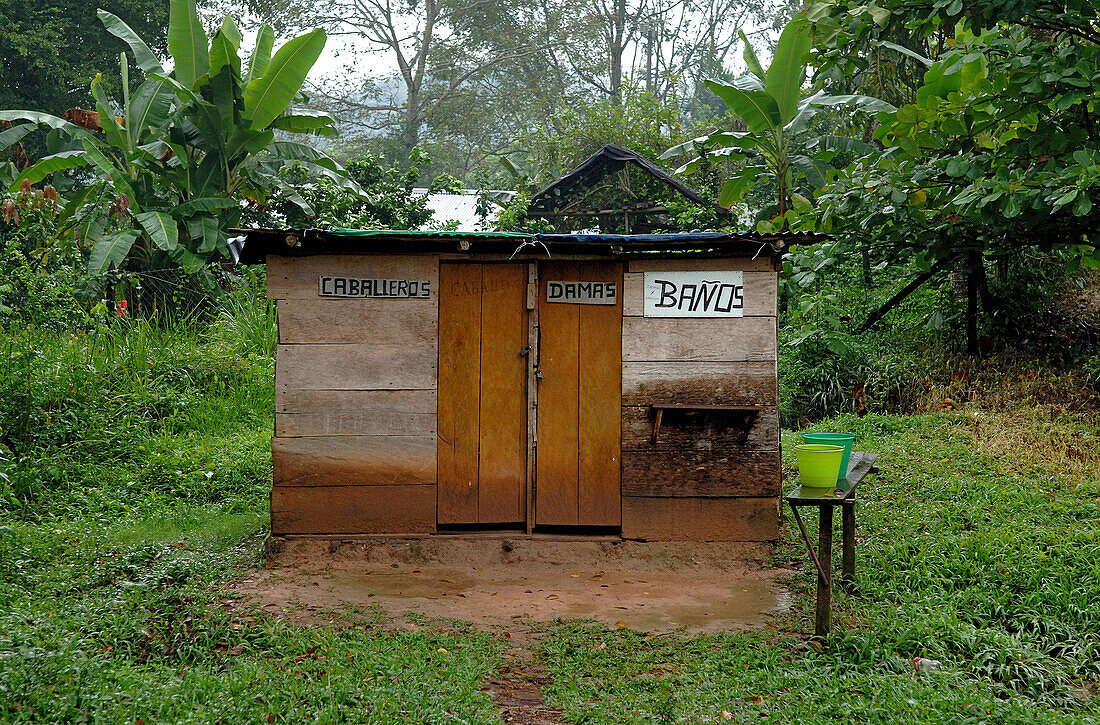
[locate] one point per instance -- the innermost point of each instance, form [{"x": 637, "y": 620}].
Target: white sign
[
  {"x": 354, "y": 287},
  {"x": 694, "y": 294},
  {"x": 582, "y": 293}
]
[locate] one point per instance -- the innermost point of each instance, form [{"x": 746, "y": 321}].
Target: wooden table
[{"x": 826, "y": 499}]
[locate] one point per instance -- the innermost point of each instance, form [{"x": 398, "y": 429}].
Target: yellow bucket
[{"x": 819, "y": 464}]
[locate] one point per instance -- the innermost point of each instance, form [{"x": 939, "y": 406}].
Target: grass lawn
[{"x": 141, "y": 488}]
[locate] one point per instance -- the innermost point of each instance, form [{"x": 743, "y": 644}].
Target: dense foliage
[
  {"x": 178, "y": 155},
  {"x": 41, "y": 66}
]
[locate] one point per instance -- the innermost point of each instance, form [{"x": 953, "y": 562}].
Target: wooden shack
[{"x": 432, "y": 382}]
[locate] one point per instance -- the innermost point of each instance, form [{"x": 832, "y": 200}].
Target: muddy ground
[
  {"x": 499, "y": 582},
  {"x": 703, "y": 587}
]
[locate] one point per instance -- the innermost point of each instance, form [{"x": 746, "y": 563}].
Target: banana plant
[
  {"x": 164, "y": 177},
  {"x": 777, "y": 119}
]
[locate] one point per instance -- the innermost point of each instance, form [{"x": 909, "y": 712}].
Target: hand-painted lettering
[{"x": 693, "y": 294}]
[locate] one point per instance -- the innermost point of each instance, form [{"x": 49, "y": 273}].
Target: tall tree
[
  {"x": 997, "y": 151},
  {"x": 412, "y": 58},
  {"x": 51, "y": 51}
]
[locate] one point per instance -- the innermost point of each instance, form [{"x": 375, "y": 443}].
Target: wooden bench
[{"x": 826, "y": 499}]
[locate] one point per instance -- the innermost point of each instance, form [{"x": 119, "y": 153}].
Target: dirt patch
[
  {"x": 703, "y": 587},
  {"x": 517, "y": 692}
]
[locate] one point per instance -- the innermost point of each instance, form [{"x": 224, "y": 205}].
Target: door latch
[{"x": 525, "y": 351}]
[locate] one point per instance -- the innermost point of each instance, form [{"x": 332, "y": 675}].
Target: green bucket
[
  {"x": 818, "y": 464},
  {"x": 834, "y": 439}
]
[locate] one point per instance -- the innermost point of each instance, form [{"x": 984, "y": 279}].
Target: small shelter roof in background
[
  {"x": 565, "y": 198},
  {"x": 254, "y": 245}
]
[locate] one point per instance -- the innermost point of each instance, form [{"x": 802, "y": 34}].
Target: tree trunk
[
  {"x": 616, "y": 49},
  {"x": 974, "y": 260}
]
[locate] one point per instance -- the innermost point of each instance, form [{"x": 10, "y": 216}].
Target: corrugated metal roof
[
  {"x": 460, "y": 207},
  {"x": 258, "y": 243}
]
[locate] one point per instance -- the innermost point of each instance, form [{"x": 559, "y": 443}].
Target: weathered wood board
[
  {"x": 459, "y": 394},
  {"x": 577, "y": 461},
  {"x": 559, "y": 364},
  {"x": 701, "y": 473},
  {"x": 702, "y": 430},
  {"x": 701, "y": 519},
  {"x": 354, "y": 460},
  {"x": 354, "y": 412},
  {"x": 759, "y": 293},
  {"x": 762, "y": 263},
  {"x": 502, "y": 469},
  {"x": 719, "y": 340},
  {"x": 352, "y": 509},
  {"x": 355, "y": 367},
  {"x": 600, "y": 394},
  {"x": 374, "y": 321},
  {"x": 701, "y": 383},
  {"x": 298, "y": 277}
]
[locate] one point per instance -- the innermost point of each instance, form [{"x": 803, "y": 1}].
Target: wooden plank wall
[
  {"x": 355, "y": 400},
  {"x": 706, "y": 477}
]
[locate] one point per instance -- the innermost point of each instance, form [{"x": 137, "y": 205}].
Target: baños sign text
[
  {"x": 694, "y": 294},
  {"x": 582, "y": 293},
  {"x": 355, "y": 287}
]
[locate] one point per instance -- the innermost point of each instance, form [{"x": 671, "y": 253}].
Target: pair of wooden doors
[{"x": 487, "y": 409}]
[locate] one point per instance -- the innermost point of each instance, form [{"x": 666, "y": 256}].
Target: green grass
[
  {"x": 137, "y": 490},
  {"x": 979, "y": 546}
]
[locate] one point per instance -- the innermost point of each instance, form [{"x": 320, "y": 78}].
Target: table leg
[
  {"x": 824, "y": 620},
  {"x": 848, "y": 552}
]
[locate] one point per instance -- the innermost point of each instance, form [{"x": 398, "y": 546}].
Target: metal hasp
[{"x": 826, "y": 499}]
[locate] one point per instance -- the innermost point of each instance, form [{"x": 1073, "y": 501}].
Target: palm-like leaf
[
  {"x": 187, "y": 42},
  {"x": 143, "y": 54},
  {"x": 268, "y": 96},
  {"x": 869, "y": 104},
  {"x": 225, "y": 47},
  {"x": 304, "y": 121},
  {"x": 757, "y": 108},
  {"x": 788, "y": 68},
  {"x": 49, "y": 165},
  {"x": 53, "y": 122},
  {"x": 149, "y": 109},
  {"x": 751, "y": 60},
  {"x": 261, "y": 55},
  {"x": 161, "y": 228},
  {"x": 15, "y": 133},
  {"x": 111, "y": 249}
]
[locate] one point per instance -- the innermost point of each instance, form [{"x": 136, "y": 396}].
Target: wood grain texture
[
  {"x": 557, "y": 455},
  {"x": 745, "y": 264},
  {"x": 600, "y": 391},
  {"x": 761, "y": 289},
  {"x": 352, "y": 510},
  {"x": 701, "y": 431},
  {"x": 375, "y": 321},
  {"x": 532, "y": 388},
  {"x": 459, "y": 392},
  {"x": 354, "y": 412},
  {"x": 702, "y": 383},
  {"x": 290, "y": 277},
  {"x": 700, "y": 519},
  {"x": 701, "y": 473},
  {"x": 355, "y": 367},
  {"x": 353, "y": 460},
  {"x": 710, "y": 339},
  {"x": 502, "y": 476}
]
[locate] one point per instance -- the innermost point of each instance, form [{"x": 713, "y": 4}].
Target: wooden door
[
  {"x": 481, "y": 454},
  {"x": 577, "y": 461}
]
